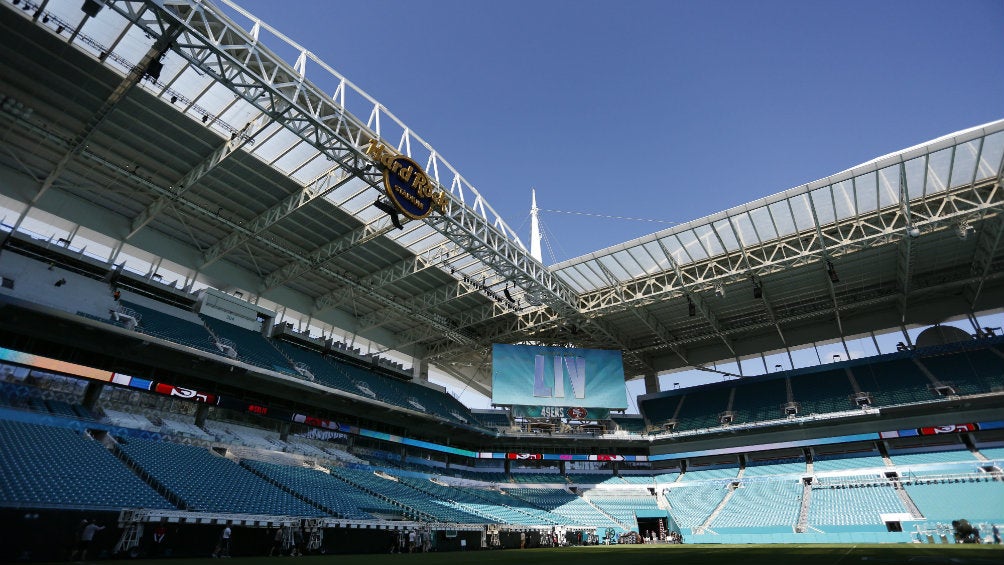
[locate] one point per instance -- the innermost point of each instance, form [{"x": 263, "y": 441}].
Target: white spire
[{"x": 534, "y": 228}]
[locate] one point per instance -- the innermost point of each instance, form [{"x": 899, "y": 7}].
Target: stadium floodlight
[
  {"x": 508, "y": 296},
  {"x": 757, "y": 287},
  {"x": 154, "y": 69},
  {"x": 832, "y": 272},
  {"x": 962, "y": 230},
  {"x": 92, "y": 7}
]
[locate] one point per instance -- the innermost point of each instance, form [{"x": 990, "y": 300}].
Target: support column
[
  {"x": 201, "y": 411},
  {"x": 420, "y": 369},
  {"x": 91, "y": 395},
  {"x": 284, "y": 431},
  {"x": 651, "y": 383}
]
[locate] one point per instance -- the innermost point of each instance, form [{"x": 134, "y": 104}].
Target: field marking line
[{"x": 846, "y": 553}]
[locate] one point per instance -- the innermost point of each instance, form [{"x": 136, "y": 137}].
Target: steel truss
[
  {"x": 889, "y": 226},
  {"x": 211, "y": 43},
  {"x": 551, "y": 307}
]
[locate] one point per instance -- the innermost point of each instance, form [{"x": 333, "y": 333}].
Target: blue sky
[
  {"x": 662, "y": 110},
  {"x": 658, "y": 109}
]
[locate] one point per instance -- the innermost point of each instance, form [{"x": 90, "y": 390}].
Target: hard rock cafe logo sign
[{"x": 408, "y": 187}]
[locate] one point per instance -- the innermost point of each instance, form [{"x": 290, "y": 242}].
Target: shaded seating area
[
  {"x": 336, "y": 497},
  {"x": 43, "y": 466},
  {"x": 172, "y": 328},
  {"x": 207, "y": 482},
  {"x": 420, "y": 503},
  {"x": 251, "y": 347}
]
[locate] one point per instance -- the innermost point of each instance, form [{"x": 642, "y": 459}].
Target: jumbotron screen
[{"x": 529, "y": 375}]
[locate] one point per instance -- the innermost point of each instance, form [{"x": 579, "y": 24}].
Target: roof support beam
[
  {"x": 318, "y": 257},
  {"x": 378, "y": 279},
  {"x": 984, "y": 258},
  {"x": 256, "y": 227},
  {"x": 135, "y": 75},
  {"x": 904, "y": 256},
  {"x": 661, "y": 332},
  {"x": 193, "y": 176},
  {"x": 699, "y": 304}
]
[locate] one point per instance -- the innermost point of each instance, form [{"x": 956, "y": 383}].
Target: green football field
[{"x": 815, "y": 554}]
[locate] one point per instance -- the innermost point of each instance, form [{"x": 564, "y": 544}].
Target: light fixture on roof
[
  {"x": 508, "y": 296},
  {"x": 391, "y": 211},
  {"x": 92, "y": 7},
  {"x": 832, "y": 272},
  {"x": 962, "y": 230},
  {"x": 155, "y": 67},
  {"x": 719, "y": 290}
]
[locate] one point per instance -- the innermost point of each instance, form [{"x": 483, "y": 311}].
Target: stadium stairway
[
  {"x": 718, "y": 509},
  {"x": 408, "y": 510},
  {"x": 803, "y": 509},
  {"x": 113, "y": 446}
]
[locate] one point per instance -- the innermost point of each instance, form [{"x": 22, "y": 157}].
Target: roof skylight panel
[
  {"x": 990, "y": 156},
  {"x": 294, "y": 158},
  {"x": 274, "y": 147},
  {"x": 964, "y": 165},
  {"x": 939, "y": 166},
  {"x": 647, "y": 264},
  {"x": 217, "y": 99},
  {"x": 725, "y": 235},
  {"x": 571, "y": 278},
  {"x": 822, "y": 203},
  {"x": 627, "y": 262},
  {"x": 843, "y": 199},
  {"x": 709, "y": 240},
  {"x": 595, "y": 275},
  {"x": 914, "y": 173},
  {"x": 189, "y": 85},
  {"x": 781, "y": 215},
  {"x": 135, "y": 44},
  {"x": 104, "y": 31},
  {"x": 316, "y": 167},
  {"x": 692, "y": 246},
  {"x": 240, "y": 113},
  {"x": 888, "y": 186},
  {"x": 762, "y": 224},
  {"x": 744, "y": 229},
  {"x": 866, "y": 192},
  {"x": 675, "y": 249},
  {"x": 351, "y": 191},
  {"x": 613, "y": 270},
  {"x": 661, "y": 261}
]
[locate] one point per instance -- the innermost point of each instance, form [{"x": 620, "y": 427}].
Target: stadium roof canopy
[{"x": 169, "y": 126}]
